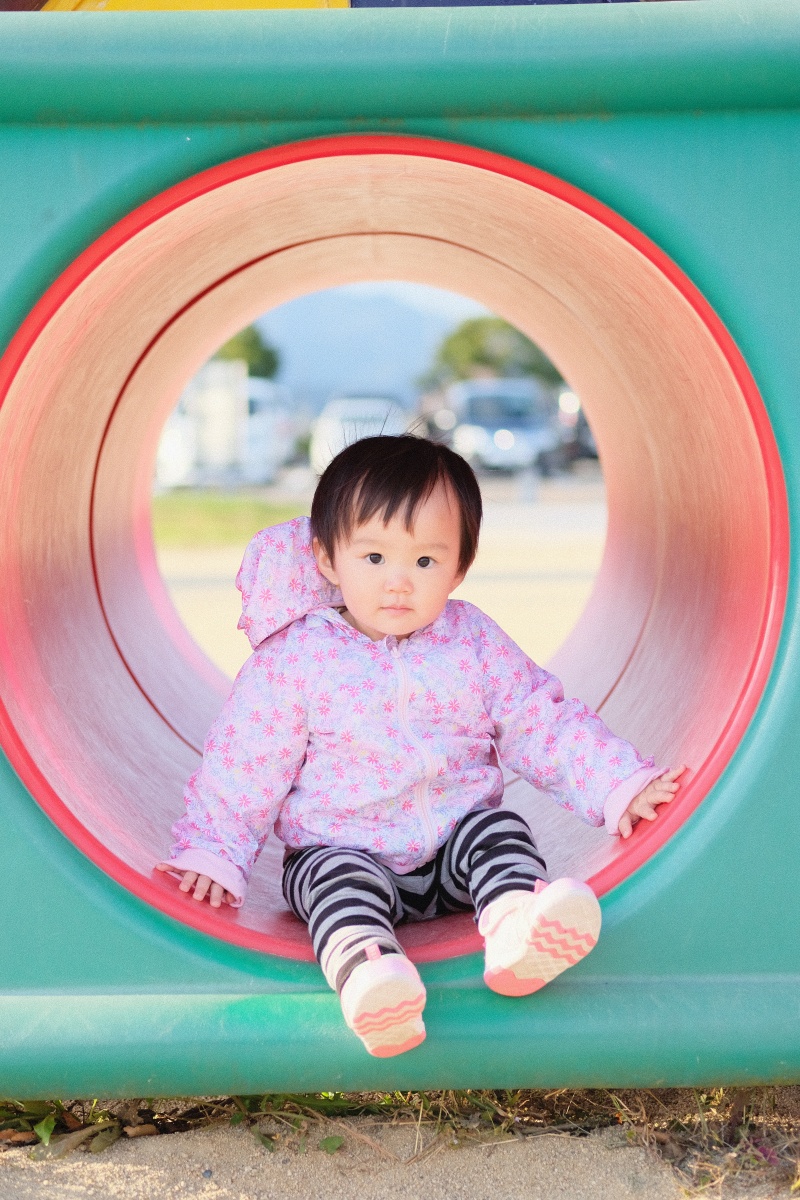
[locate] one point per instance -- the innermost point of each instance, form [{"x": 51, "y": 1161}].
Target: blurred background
[{"x": 259, "y": 422}]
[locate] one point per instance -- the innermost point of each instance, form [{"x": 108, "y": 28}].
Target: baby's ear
[{"x": 324, "y": 563}]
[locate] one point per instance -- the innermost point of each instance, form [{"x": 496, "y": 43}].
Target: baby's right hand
[{"x": 203, "y": 885}]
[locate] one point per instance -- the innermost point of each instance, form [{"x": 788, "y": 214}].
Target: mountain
[{"x": 365, "y": 337}]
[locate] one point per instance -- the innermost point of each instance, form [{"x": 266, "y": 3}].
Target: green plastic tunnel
[{"x": 165, "y": 184}]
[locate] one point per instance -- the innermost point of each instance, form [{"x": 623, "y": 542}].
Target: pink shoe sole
[
  {"x": 565, "y": 923},
  {"x": 383, "y": 1004},
  {"x": 506, "y": 983},
  {"x": 393, "y": 1030},
  {"x": 399, "y": 1048}
]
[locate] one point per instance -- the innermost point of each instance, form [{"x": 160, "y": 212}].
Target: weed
[{"x": 714, "y": 1139}]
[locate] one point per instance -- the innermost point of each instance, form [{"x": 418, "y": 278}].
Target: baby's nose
[{"x": 398, "y": 583}]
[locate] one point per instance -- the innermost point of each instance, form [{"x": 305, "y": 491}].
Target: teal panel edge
[
  {"x": 732, "y": 1031},
  {"x": 368, "y": 63}
]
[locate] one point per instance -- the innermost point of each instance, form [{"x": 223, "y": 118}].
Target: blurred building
[{"x": 228, "y": 429}]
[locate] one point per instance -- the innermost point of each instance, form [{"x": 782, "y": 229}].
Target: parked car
[
  {"x": 576, "y": 433},
  {"x": 272, "y": 430},
  {"x": 584, "y": 444},
  {"x": 506, "y": 424},
  {"x": 350, "y": 418},
  {"x": 177, "y": 451}
]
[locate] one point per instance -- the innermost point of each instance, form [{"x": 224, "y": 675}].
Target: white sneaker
[
  {"x": 382, "y": 1003},
  {"x": 531, "y": 937}
]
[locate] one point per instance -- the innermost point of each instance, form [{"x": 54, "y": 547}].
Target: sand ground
[{"x": 228, "y": 1164}]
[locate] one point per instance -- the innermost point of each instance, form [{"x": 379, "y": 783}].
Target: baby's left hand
[{"x": 643, "y": 806}]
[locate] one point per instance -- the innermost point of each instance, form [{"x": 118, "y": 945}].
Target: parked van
[{"x": 505, "y": 424}]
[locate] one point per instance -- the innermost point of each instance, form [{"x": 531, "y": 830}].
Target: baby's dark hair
[{"x": 386, "y": 474}]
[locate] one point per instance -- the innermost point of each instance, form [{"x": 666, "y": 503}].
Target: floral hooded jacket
[{"x": 335, "y": 740}]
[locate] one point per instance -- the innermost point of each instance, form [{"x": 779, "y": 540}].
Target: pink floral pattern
[{"x": 332, "y": 739}]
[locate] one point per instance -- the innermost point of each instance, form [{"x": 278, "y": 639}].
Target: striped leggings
[{"x": 351, "y": 902}]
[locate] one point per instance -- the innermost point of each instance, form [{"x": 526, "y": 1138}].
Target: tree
[
  {"x": 489, "y": 346},
  {"x": 262, "y": 360}
]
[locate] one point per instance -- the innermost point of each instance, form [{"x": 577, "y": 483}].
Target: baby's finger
[
  {"x": 667, "y": 789},
  {"x": 646, "y": 811},
  {"x": 625, "y": 825},
  {"x": 215, "y": 898},
  {"x": 171, "y": 869},
  {"x": 671, "y": 775},
  {"x": 203, "y": 884},
  {"x": 187, "y": 882}
]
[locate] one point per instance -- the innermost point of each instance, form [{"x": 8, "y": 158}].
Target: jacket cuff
[
  {"x": 223, "y": 872},
  {"x": 628, "y": 790}
]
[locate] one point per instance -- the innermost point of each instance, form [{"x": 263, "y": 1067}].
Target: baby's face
[{"x": 394, "y": 580}]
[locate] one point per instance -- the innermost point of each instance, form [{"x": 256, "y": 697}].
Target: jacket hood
[{"x": 280, "y": 581}]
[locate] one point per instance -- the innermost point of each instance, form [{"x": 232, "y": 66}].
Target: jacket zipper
[{"x": 421, "y": 791}]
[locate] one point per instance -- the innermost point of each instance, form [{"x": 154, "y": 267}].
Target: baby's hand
[
  {"x": 203, "y": 885},
  {"x": 660, "y": 791}
]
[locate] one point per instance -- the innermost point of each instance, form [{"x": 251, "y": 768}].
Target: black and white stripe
[{"x": 350, "y": 901}]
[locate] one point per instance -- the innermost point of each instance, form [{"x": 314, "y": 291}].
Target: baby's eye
[
  {"x": 425, "y": 561},
  {"x": 375, "y": 559}
]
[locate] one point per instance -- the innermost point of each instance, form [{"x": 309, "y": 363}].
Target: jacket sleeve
[
  {"x": 251, "y": 757},
  {"x": 560, "y": 746}
]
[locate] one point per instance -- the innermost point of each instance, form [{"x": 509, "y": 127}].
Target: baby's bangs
[{"x": 380, "y": 495}]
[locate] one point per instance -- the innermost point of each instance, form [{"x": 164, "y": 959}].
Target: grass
[
  {"x": 193, "y": 518},
  {"x": 716, "y": 1139}
]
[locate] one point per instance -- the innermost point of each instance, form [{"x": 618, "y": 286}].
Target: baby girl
[{"x": 365, "y": 729}]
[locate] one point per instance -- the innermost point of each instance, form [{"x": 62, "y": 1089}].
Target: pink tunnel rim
[{"x": 648, "y": 839}]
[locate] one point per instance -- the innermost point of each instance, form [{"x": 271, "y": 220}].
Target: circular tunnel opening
[
  {"x": 243, "y": 450},
  {"x": 106, "y": 698}
]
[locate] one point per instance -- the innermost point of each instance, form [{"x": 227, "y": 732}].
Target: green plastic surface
[{"x": 682, "y": 117}]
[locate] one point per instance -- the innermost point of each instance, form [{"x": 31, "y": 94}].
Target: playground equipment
[{"x": 177, "y": 197}]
